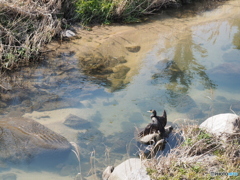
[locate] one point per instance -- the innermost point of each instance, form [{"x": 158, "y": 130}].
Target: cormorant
[{"x": 158, "y": 124}]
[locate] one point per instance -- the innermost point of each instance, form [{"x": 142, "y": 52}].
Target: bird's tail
[{"x": 164, "y": 114}]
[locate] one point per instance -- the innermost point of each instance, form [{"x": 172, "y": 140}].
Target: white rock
[
  {"x": 68, "y": 34},
  {"x": 131, "y": 169},
  {"x": 222, "y": 124}
]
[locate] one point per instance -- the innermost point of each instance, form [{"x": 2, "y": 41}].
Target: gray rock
[
  {"x": 21, "y": 139},
  {"x": 131, "y": 169},
  {"x": 76, "y": 122},
  {"x": 222, "y": 124}
]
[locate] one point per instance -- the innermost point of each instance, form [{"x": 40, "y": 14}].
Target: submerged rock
[
  {"x": 76, "y": 122},
  {"x": 133, "y": 49},
  {"x": 120, "y": 72},
  {"x": 22, "y": 139}
]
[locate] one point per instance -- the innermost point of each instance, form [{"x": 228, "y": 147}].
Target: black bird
[{"x": 158, "y": 124}]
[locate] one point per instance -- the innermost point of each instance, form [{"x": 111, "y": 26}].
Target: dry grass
[
  {"x": 76, "y": 151},
  {"x": 125, "y": 8},
  {"x": 199, "y": 154},
  {"x": 24, "y": 27}
]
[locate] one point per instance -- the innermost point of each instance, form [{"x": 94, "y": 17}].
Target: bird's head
[{"x": 152, "y": 111}]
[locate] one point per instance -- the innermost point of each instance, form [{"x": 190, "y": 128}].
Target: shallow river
[{"x": 186, "y": 62}]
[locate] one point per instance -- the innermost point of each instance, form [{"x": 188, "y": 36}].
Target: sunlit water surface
[{"x": 191, "y": 72}]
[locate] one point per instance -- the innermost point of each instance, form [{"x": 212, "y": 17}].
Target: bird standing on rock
[{"x": 158, "y": 124}]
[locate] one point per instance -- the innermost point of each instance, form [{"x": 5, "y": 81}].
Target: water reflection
[
  {"x": 181, "y": 72},
  {"x": 184, "y": 72},
  {"x": 236, "y": 38},
  {"x": 192, "y": 9}
]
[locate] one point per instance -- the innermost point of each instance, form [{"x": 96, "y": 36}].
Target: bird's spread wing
[{"x": 150, "y": 128}]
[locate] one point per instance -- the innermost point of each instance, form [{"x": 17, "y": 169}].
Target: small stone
[
  {"x": 133, "y": 49},
  {"x": 76, "y": 122},
  {"x": 68, "y": 34}
]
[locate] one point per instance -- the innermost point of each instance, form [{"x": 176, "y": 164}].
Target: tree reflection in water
[
  {"x": 184, "y": 71},
  {"x": 236, "y": 38}
]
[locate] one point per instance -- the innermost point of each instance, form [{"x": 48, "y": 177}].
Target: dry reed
[
  {"x": 24, "y": 27},
  {"x": 199, "y": 154}
]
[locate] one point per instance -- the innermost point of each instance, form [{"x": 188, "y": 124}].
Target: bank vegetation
[
  {"x": 26, "y": 25},
  {"x": 200, "y": 156}
]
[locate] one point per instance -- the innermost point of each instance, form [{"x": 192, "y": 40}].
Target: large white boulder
[
  {"x": 131, "y": 169},
  {"x": 222, "y": 124}
]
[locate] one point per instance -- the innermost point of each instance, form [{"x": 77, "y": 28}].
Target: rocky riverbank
[{"x": 206, "y": 151}]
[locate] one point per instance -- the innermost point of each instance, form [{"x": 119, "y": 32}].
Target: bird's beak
[{"x": 149, "y": 111}]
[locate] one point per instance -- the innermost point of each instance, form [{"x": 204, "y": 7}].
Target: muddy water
[{"x": 186, "y": 62}]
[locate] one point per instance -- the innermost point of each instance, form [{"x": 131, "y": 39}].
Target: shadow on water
[{"x": 194, "y": 8}]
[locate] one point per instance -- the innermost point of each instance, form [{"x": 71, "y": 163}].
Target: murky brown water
[{"x": 185, "y": 62}]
